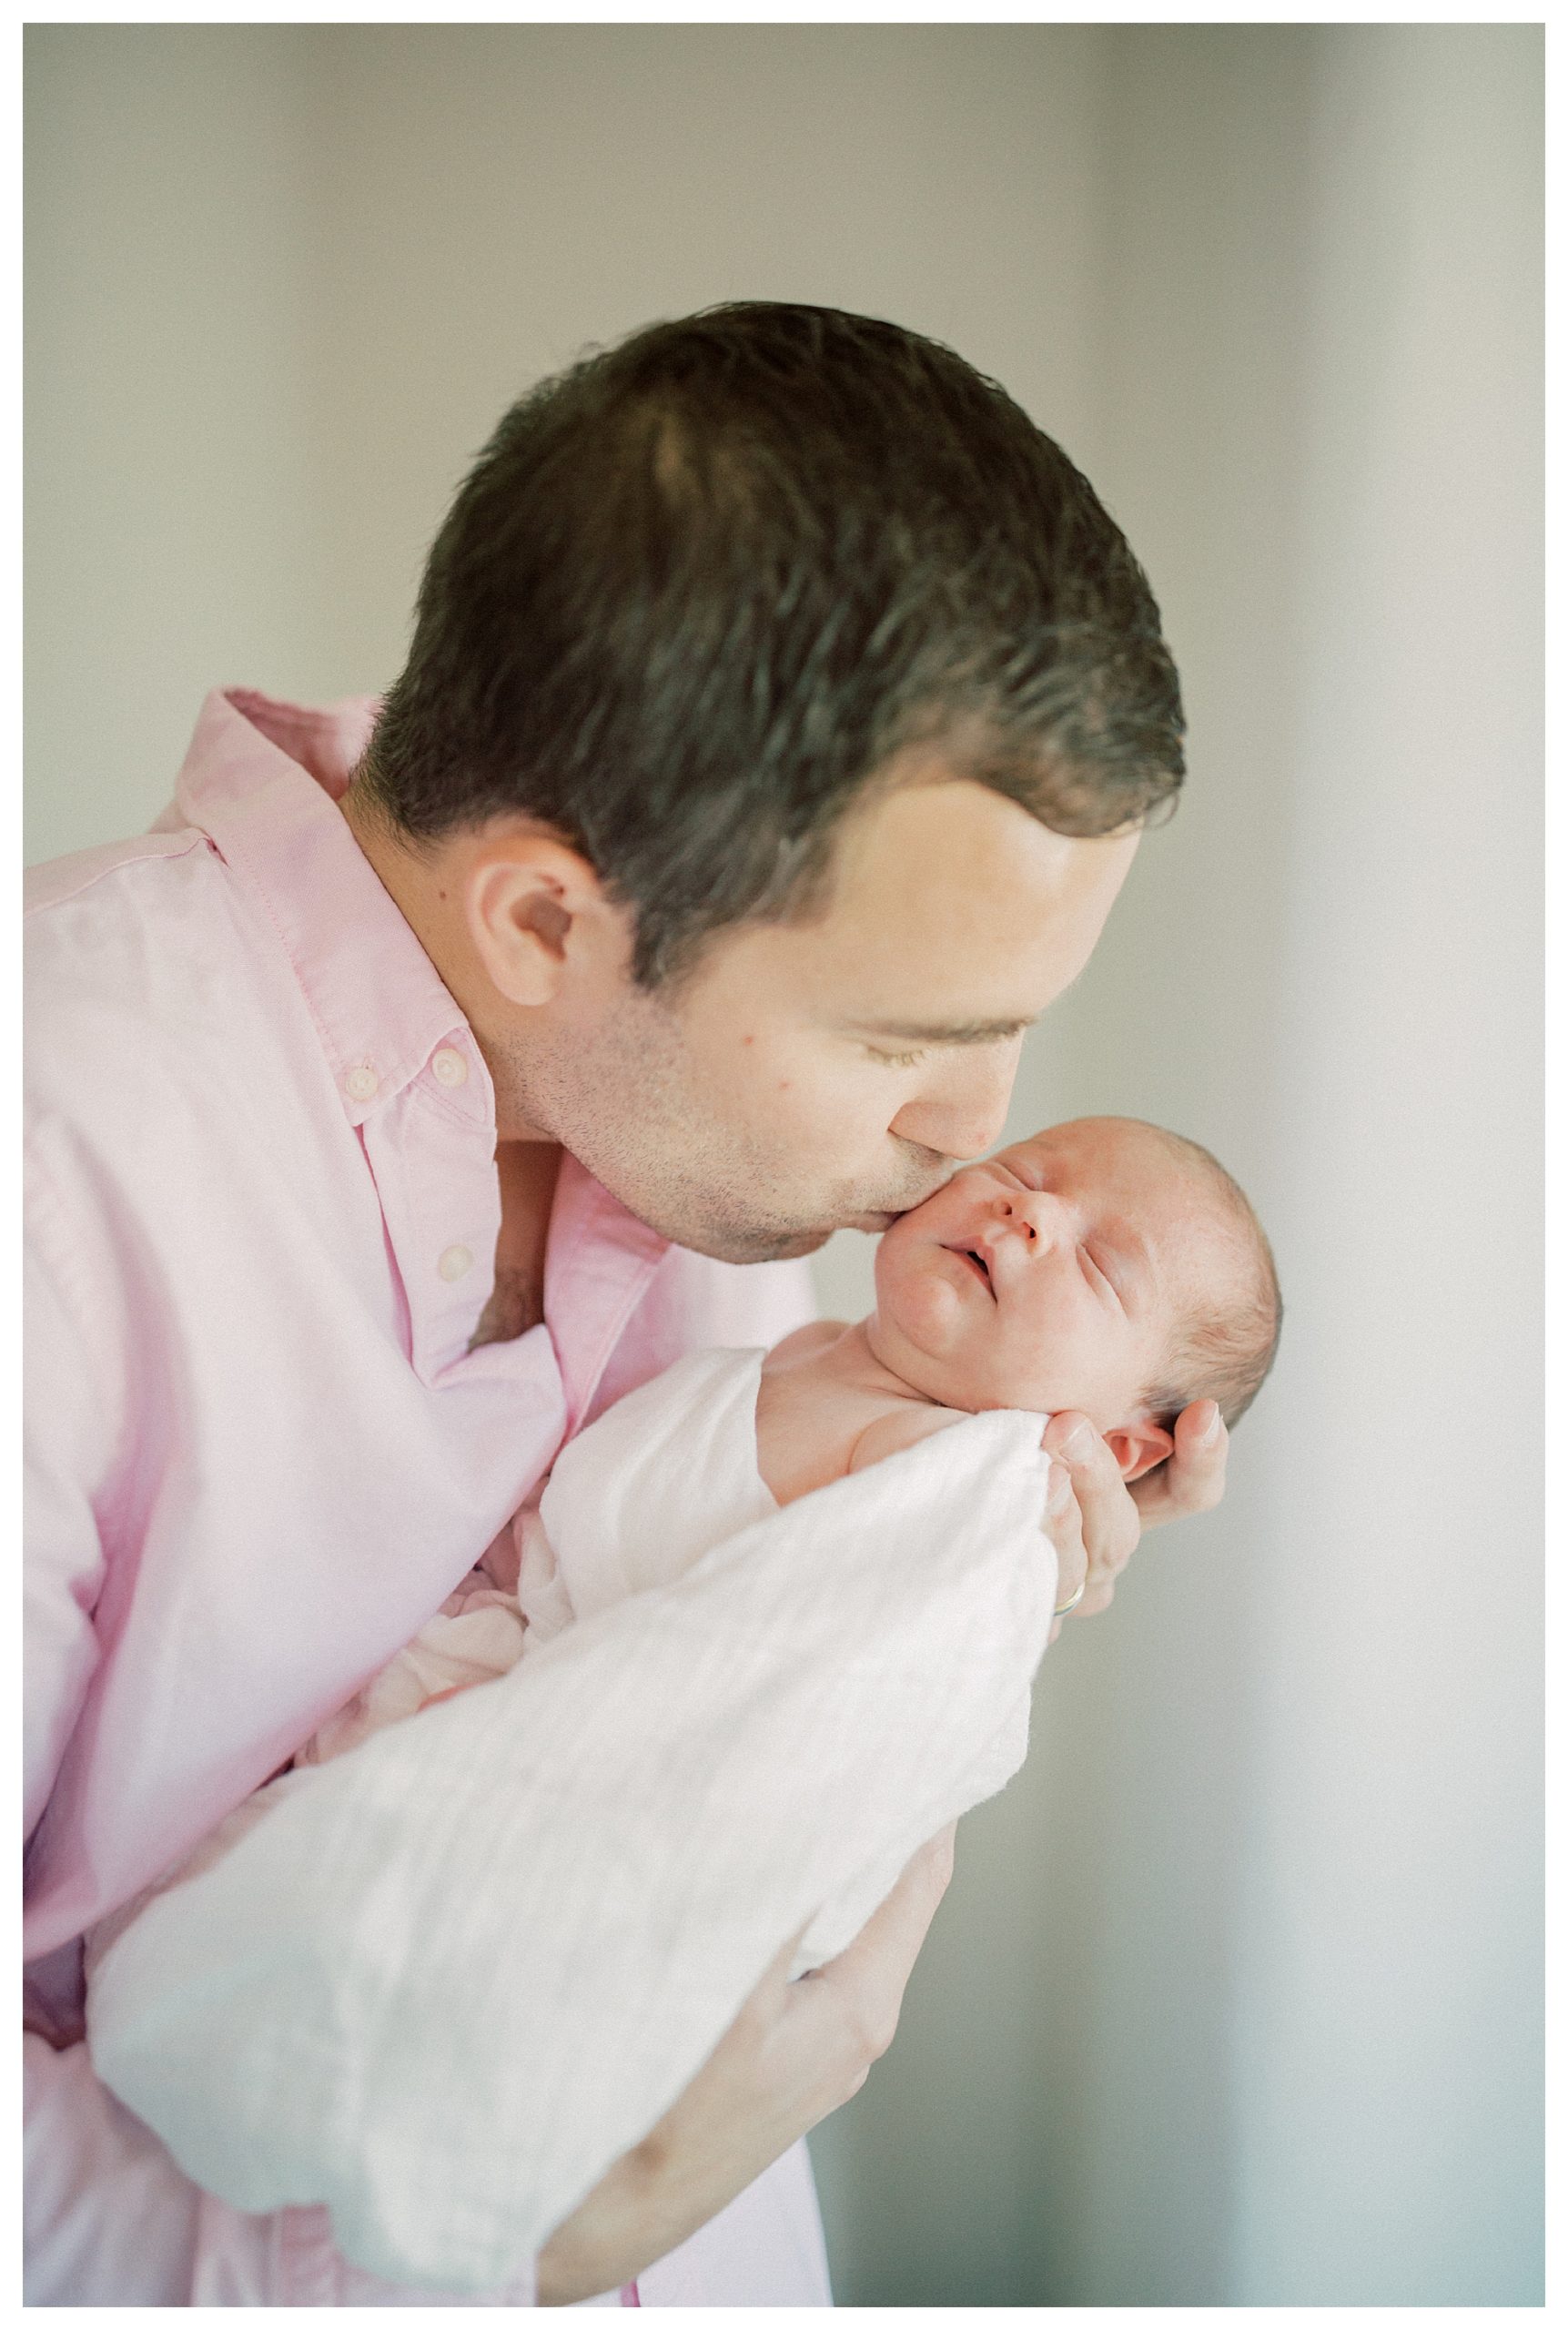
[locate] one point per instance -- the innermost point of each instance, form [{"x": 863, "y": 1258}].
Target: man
[{"x": 782, "y": 715}]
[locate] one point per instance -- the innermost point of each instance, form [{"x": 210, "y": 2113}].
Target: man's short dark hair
[{"x": 703, "y": 586}]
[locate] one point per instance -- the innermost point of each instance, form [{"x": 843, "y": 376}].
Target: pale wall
[
  {"x": 1268, "y": 2028},
  {"x": 175, "y": 447},
  {"x": 1236, "y": 1995}
]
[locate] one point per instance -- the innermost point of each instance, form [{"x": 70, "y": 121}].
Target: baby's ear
[{"x": 1139, "y": 1447}]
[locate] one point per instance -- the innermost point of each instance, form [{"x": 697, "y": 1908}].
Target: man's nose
[{"x": 962, "y": 1113}]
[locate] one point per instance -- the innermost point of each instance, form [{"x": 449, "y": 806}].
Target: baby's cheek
[
  {"x": 932, "y": 1308},
  {"x": 920, "y": 1298},
  {"x": 1035, "y": 1365}
]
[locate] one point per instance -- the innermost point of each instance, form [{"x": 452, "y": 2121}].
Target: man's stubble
[{"x": 628, "y": 1103}]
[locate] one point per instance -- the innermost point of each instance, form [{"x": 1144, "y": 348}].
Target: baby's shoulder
[
  {"x": 901, "y": 1427},
  {"x": 804, "y": 1343}
]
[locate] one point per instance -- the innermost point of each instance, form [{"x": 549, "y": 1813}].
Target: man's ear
[
  {"x": 1139, "y": 1447},
  {"x": 526, "y": 896}
]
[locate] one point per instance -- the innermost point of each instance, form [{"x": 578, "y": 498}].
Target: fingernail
[
  {"x": 1078, "y": 1442},
  {"x": 1210, "y": 1432}
]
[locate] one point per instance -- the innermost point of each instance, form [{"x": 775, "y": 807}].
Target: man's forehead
[
  {"x": 965, "y": 877},
  {"x": 950, "y": 915}
]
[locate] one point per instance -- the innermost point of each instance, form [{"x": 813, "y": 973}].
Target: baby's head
[{"x": 1103, "y": 1265}]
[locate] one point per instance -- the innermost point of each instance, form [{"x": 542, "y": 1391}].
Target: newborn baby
[{"x": 1103, "y": 1265}]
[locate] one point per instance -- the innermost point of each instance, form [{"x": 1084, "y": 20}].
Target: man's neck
[
  {"x": 527, "y": 1168},
  {"x": 421, "y": 888}
]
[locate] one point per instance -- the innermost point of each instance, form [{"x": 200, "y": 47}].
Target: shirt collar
[
  {"x": 263, "y": 779},
  {"x": 598, "y": 1265}
]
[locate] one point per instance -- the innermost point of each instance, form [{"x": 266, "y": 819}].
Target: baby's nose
[{"x": 1036, "y": 1216}]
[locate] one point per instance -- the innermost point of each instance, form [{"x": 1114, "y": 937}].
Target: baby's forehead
[
  {"x": 1109, "y": 1148},
  {"x": 1153, "y": 1180}
]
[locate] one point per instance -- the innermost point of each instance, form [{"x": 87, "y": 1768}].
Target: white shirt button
[
  {"x": 361, "y": 1083},
  {"x": 451, "y": 1067},
  {"x": 455, "y": 1264}
]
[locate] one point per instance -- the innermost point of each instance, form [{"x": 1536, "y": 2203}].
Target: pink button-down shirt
[{"x": 261, "y": 1215}]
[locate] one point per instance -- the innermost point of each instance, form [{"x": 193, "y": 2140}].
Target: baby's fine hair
[{"x": 1223, "y": 1353}]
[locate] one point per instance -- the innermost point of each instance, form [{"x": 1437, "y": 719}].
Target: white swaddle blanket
[{"x": 452, "y": 1975}]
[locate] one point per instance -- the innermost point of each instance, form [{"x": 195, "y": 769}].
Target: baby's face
[{"x": 1052, "y": 1276}]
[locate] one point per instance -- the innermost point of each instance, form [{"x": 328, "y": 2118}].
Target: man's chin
[
  {"x": 791, "y": 1246},
  {"x": 811, "y": 1241},
  {"x": 795, "y": 1249},
  {"x": 778, "y": 1246}
]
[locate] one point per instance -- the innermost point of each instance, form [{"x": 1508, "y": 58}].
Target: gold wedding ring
[{"x": 1073, "y": 1600}]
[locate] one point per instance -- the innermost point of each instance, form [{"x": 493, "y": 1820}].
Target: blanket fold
[{"x": 454, "y": 1974}]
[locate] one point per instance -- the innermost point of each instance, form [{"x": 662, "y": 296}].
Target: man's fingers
[
  {"x": 1192, "y": 1479},
  {"x": 776, "y": 1980},
  {"x": 892, "y": 1936},
  {"x": 1063, "y": 1526},
  {"x": 1095, "y": 1519},
  {"x": 1109, "y": 1519},
  {"x": 868, "y": 1978}
]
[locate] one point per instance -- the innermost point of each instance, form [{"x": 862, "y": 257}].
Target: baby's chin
[
  {"x": 924, "y": 1329},
  {"x": 977, "y": 1400},
  {"x": 973, "y": 1388}
]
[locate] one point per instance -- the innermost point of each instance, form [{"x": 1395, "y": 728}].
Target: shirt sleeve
[
  {"x": 109, "y": 2218},
  {"x": 67, "y": 1449}
]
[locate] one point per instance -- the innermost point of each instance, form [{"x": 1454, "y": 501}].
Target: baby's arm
[
  {"x": 901, "y": 1427},
  {"x": 475, "y": 1636}
]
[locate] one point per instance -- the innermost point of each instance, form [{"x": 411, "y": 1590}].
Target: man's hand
[
  {"x": 796, "y": 2051},
  {"x": 1094, "y": 1520}
]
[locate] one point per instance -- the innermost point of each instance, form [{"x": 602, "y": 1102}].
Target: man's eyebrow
[{"x": 944, "y": 1031}]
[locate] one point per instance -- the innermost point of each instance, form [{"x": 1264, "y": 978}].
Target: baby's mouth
[{"x": 977, "y": 1263}]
